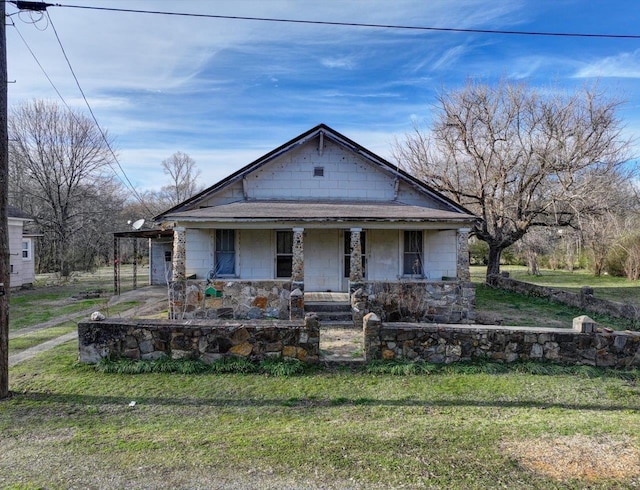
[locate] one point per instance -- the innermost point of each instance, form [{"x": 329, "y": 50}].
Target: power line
[
  {"x": 40, "y": 6},
  {"x": 41, "y": 67},
  {"x": 71, "y": 111},
  {"x": 95, "y": 120}
]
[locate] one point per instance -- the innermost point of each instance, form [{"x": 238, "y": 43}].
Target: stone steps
[{"x": 330, "y": 311}]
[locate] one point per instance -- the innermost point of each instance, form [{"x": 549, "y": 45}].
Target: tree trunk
[
  {"x": 493, "y": 265},
  {"x": 532, "y": 262}
]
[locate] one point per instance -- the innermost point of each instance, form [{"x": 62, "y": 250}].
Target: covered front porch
[
  {"x": 320, "y": 258},
  {"x": 412, "y": 273}
]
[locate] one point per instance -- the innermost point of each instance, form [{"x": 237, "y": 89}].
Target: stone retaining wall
[
  {"x": 415, "y": 301},
  {"x": 199, "y": 339},
  {"x": 584, "y": 300},
  {"x": 253, "y": 300},
  {"x": 451, "y": 343}
]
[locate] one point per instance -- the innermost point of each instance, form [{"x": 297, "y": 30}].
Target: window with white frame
[
  {"x": 284, "y": 253},
  {"x": 26, "y": 248},
  {"x": 412, "y": 255},
  {"x": 225, "y": 253}
]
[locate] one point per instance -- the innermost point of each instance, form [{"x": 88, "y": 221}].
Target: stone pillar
[
  {"x": 371, "y": 331},
  {"x": 296, "y": 301},
  {"x": 178, "y": 278},
  {"x": 463, "y": 273},
  {"x": 296, "y": 304},
  {"x": 179, "y": 254},
  {"x": 359, "y": 306},
  {"x": 297, "y": 267},
  {"x": 356, "y": 273}
]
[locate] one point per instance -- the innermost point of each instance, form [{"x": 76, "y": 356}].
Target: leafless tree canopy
[
  {"x": 57, "y": 162},
  {"x": 181, "y": 169},
  {"x": 519, "y": 157}
]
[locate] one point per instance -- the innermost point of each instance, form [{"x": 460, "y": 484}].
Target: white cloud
[
  {"x": 345, "y": 63},
  {"x": 449, "y": 57},
  {"x": 622, "y": 65}
]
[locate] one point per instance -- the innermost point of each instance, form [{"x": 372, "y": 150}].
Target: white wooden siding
[
  {"x": 199, "y": 252},
  {"x": 383, "y": 256},
  {"x": 346, "y": 176},
  {"x": 440, "y": 254},
  {"x": 323, "y": 262},
  {"x": 229, "y": 194},
  {"x": 22, "y": 270},
  {"x": 257, "y": 255}
]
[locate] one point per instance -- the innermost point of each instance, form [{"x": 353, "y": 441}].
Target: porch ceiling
[{"x": 318, "y": 211}]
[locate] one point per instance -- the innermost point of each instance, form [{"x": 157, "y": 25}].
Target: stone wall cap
[{"x": 477, "y": 326}]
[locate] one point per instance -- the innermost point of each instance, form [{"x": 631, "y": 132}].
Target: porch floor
[{"x": 325, "y": 297}]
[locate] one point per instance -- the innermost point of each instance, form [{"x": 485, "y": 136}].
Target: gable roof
[
  {"x": 13, "y": 212},
  {"x": 324, "y": 131}
]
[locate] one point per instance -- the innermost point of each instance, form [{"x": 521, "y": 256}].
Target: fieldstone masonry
[
  {"x": 463, "y": 273},
  {"x": 438, "y": 343},
  {"x": 356, "y": 272},
  {"x": 251, "y": 300},
  {"x": 179, "y": 254},
  {"x": 297, "y": 268},
  {"x": 407, "y": 301},
  {"x": 197, "y": 339}
]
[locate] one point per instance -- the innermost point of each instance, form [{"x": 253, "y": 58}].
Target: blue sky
[{"x": 228, "y": 91}]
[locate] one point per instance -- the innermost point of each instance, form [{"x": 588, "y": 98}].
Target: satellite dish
[{"x": 136, "y": 225}]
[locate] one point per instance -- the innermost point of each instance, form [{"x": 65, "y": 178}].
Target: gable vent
[{"x": 318, "y": 171}]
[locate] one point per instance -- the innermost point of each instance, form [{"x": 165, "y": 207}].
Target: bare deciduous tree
[
  {"x": 182, "y": 170},
  {"x": 520, "y": 158},
  {"x": 59, "y": 156}
]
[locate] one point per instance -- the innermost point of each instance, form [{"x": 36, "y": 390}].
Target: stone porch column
[
  {"x": 296, "y": 303},
  {"x": 463, "y": 273},
  {"x": 179, "y": 274},
  {"x": 356, "y": 272},
  {"x": 179, "y": 254}
]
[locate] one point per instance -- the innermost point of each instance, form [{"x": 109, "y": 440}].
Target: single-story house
[
  {"x": 21, "y": 249},
  {"x": 320, "y": 214}
]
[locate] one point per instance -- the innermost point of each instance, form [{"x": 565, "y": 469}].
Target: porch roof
[{"x": 244, "y": 211}]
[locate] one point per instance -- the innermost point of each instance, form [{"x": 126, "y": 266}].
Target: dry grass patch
[{"x": 578, "y": 456}]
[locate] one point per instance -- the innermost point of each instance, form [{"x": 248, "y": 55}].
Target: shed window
[
  {"x": 318, "y": 172},
  {"x": 412, "y": 263},
  {"x": 26, "y": 249},
  {"x": 225, "y": 253}
]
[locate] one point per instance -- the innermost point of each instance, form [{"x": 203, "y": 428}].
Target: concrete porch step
[
  {"x": 322, "y": 306},
  {"x": 333, "y": 316},
  {"x": 330, "y": 311}
]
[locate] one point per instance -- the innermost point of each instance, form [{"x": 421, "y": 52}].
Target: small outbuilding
[{"x": 21, "y": 249}]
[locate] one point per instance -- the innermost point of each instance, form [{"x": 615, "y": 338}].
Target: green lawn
[
  {"x": 70, "y": 426},
  {"x": 52, "y": 297},
  {"x": 32, "y": 339},
  {"x": 605, "y": 287},
  {"x": 509, "y": 308}
]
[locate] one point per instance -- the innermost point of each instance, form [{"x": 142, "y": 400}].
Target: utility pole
[{"x": 4, "y": 201}]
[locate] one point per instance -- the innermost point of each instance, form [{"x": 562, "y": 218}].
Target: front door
[{"x": 322, "y": 260}]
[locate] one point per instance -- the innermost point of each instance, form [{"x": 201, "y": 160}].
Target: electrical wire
[
  {"x": 348, "y": 24},
  {"x": 95, "y": 120},
  {"x": 40, "y": 65}
]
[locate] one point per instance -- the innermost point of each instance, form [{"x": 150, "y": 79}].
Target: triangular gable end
[{"x": 234, "y": 184}]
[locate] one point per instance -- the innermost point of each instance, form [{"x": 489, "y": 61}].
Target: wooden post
[
  {"x": 135, "y": 263},
  {"x": 4, "y": 212}
]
